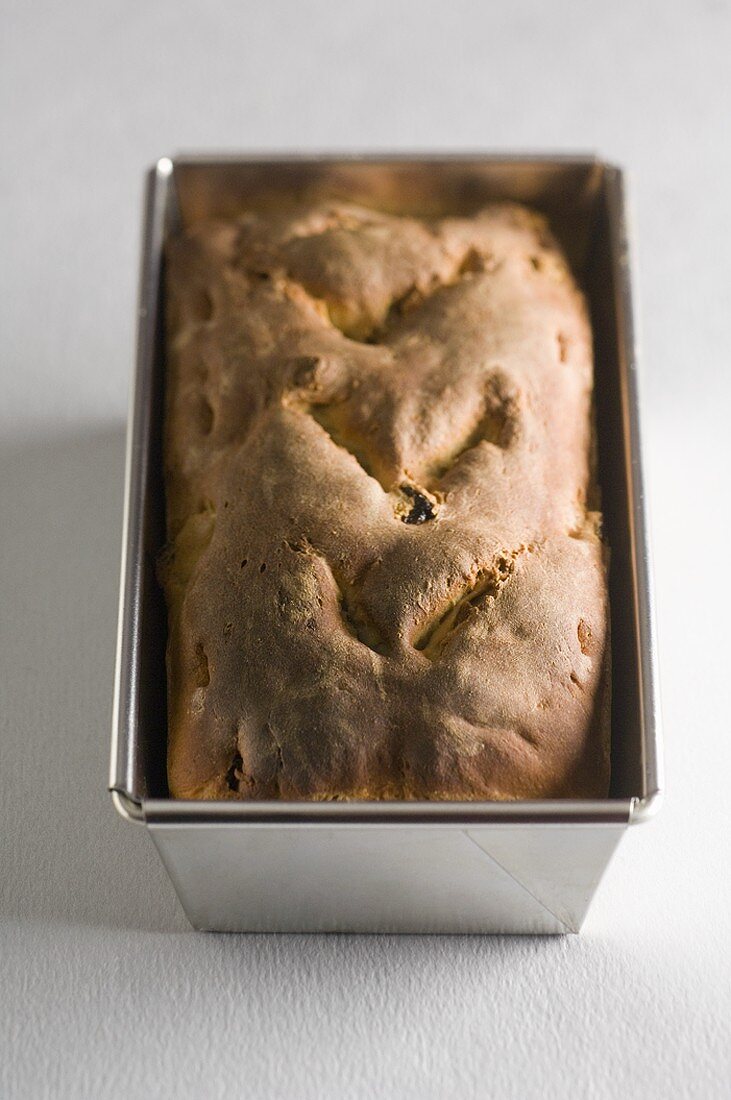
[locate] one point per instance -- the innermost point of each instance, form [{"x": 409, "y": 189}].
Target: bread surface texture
[{"x": 384, "y": 573}]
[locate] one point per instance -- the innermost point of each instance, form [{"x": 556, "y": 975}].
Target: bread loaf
[{"x": 384, "y": 575}]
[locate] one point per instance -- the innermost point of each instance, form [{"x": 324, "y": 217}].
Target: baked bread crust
[{"x": 383, "y": 576}]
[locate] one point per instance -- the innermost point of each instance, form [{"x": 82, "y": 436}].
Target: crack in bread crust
[
  {"x": 487, "y": 585},
  {"x": 363, "y": 412}
]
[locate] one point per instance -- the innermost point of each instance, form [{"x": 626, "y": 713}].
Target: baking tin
[{"x": 392, "y": 867}]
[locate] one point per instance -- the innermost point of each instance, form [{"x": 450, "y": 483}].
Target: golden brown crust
[{"x": 382, "y": 577}]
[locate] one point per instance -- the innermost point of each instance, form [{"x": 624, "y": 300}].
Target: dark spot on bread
[
  {"x": 563, "y": 347},
  {"x": 422, "y": 508},
  {"x": 204, "y": 415},
  {"x": 202, "y": 306},
  {"x": 234, "y": 775},
  {"x": 203, "y": 675}
]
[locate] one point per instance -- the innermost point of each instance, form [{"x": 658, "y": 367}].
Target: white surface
[{"x": 104, "y": 992}]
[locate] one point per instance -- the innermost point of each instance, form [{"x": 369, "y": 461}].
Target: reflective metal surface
[
  {"x": 528, "y": 867},
  {"x": 404, "y": 878}
]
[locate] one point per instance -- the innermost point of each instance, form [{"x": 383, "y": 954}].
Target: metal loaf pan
[{"x": 392, "y": 867}]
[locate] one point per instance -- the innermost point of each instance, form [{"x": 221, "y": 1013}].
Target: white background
[{"x": 104, "y": 991}]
